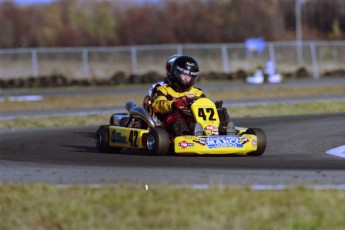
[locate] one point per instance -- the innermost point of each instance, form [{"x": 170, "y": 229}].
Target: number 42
[{"x": 204, "y": 112}]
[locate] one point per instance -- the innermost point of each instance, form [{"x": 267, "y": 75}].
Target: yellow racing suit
[{"x": 162, "y": 99}]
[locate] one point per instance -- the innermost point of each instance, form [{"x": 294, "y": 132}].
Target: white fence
[{"x": 102, "y": 62}]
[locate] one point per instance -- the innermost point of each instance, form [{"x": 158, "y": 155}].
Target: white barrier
[{"x": 103, "y": 62}]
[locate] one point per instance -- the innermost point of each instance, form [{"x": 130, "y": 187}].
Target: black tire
[
  {"x": 261, "y": 141},
  {"x": 158, "y": 142},
  {"x": 102, "y": 140},
  {"x": 111, "y": 120}
]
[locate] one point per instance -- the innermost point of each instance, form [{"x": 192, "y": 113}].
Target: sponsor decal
[
  {"x": 118, "y": 138},
  {"x": 182, "y": 70},
  {"x": 190, "y": 63},
  {"x": 187, "y": 71},
  {"x": 220, "y": 142},
  {"x": 209, "y": 127},
  {"x": 194, "y": 73},
  {"x": 199, "y": 140},
  {"x": 254, "y": 143},
  {"x": 185, "y": 144},
  {"x": 211, "y": 130}
]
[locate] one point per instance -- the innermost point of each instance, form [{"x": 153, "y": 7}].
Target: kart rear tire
[
  {"x": 158, "y": 142},
  {"x": 261, "y": 141},
  {"x": 102, "y": 140}
]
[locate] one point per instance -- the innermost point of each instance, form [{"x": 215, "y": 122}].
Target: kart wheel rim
[{"x": 150, "y": 142}]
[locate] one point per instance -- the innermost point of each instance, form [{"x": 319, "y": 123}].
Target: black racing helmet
[
  {"x": 170, "y": 61},
  {"x": 183, "y": 65}
]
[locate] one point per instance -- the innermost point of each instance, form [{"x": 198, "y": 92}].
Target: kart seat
[{"x": 121, "y": 119}]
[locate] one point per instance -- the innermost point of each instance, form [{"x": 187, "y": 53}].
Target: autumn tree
[{"x": 70, "y": 23}]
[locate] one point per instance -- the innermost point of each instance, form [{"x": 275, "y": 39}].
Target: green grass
[
  {"x": 252, "y": 111},
  {"x": 132, "y": 207},
  {"x": 119, "y": 99},
  {"x": 303, "y": 108}
]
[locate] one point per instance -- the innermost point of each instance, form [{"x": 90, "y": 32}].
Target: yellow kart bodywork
[
  {"x": 125, "y": 137},
  {"x": 225, "y": 144},
  {"x": 132, "y": 138}
]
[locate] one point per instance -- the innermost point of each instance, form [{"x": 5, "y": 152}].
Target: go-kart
[{"x": 212, "y": 132}]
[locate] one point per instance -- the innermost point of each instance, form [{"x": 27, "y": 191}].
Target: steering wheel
[{"x": 191, "y": 100}]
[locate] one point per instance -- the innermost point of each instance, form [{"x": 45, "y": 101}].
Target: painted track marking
[{"x": 338, "y": 152}]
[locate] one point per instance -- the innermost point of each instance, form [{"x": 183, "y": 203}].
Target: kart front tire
[
  {"x": 102, "y": 140},
  {"x": 158, "y": 142},
  {"x": 261, "y": 141}
]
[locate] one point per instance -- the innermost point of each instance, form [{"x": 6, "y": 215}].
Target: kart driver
[
  {"x": 170, "y": 99},
  {"x": 147, "y": 99}
]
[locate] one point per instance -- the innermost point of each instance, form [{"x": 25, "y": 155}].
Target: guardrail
[{"x": 103, "y": 62}]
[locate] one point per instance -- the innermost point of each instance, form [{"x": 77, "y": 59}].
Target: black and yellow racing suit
[{"x": 162, "y": 98}]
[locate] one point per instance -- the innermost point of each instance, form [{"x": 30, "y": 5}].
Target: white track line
[
  {"x": 22, "y": 98},
  {"x": 338, "y": 152},
  {"x": 258, "y": 187}
]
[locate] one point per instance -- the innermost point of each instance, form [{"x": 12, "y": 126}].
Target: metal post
[
  {"x": 298, "y": 12},
  {"x": 134, "y": 60},
  {"x": 271, "y": 53},
  {"x": 225, "y": 59},
  {"x": 34, "y": 63},
  {"x": 86, "y": 63},
  {"x": 314, "y": 61},
  {"x": 179, "y": 50}
]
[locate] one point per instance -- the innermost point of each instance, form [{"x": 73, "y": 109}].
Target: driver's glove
[{"x": 181, "y": 105}]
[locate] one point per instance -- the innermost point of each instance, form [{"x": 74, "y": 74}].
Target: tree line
[{"x": 76, "y": 23}]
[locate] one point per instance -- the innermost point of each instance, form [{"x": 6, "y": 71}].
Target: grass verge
[
  {"x": 131, "y": 207},
  {"x": 252, "y": 111},
  {"x": 119, "y": 99}
]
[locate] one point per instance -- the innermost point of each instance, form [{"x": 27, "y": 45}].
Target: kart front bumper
[{"x": 217, "y": 144}]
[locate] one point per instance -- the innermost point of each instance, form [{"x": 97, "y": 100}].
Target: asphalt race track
[{"x": 295, "y": 155}]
